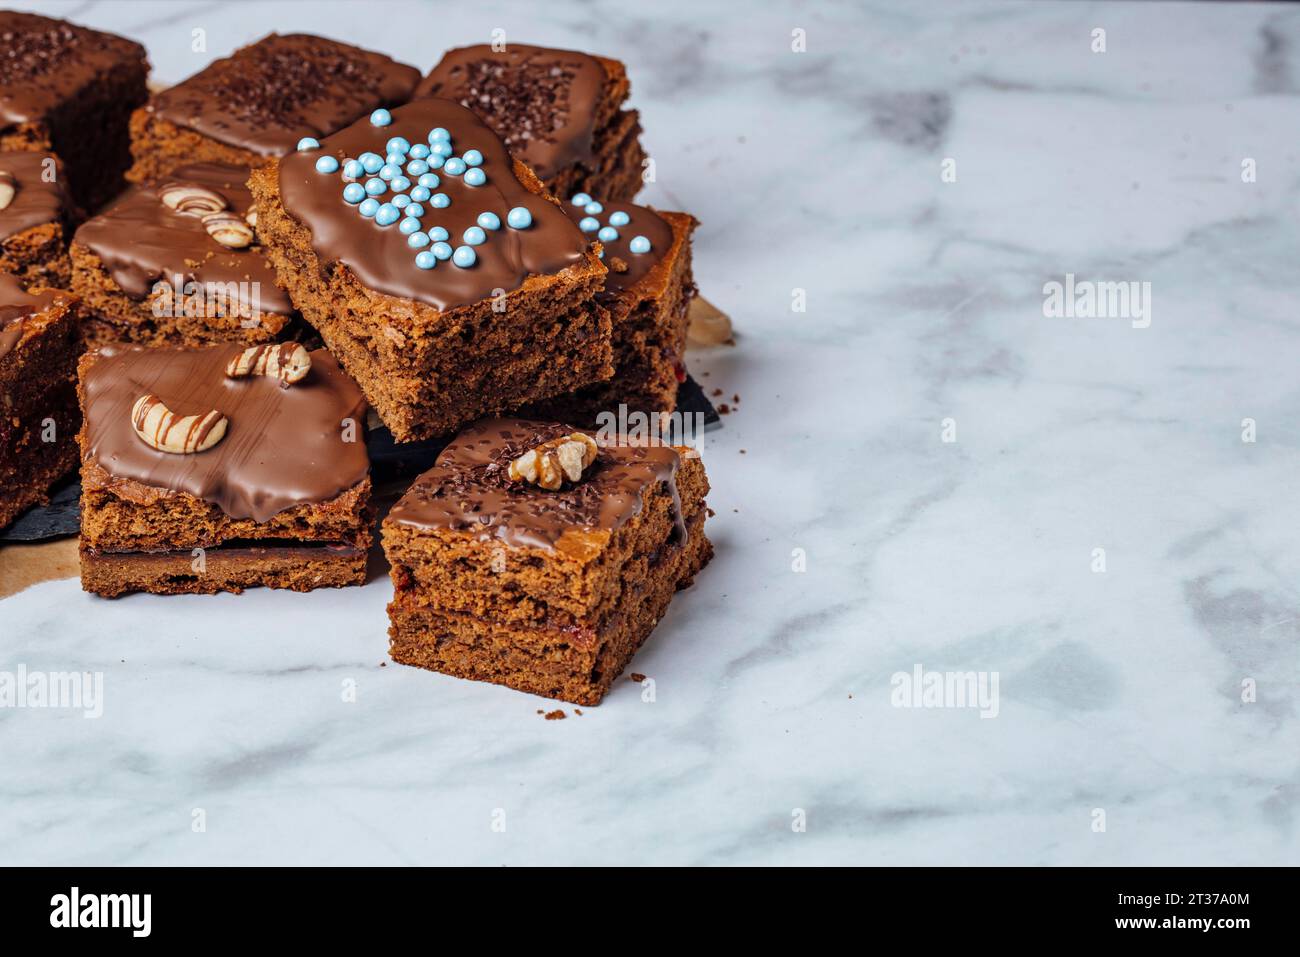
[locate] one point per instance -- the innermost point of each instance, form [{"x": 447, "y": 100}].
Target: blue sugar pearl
[
  {"x": 441, "y": 250},
  {"x": 399, "y": 184},
  {"x": 440, "y": 201},
  {"x": 519, "y": 218},
  {"x": 354, "y": 193},
  {"x": 352, "y": 169},
  {"x": 473, "y": 158},
  {"x": 474, "y": 236},
  {"x": 381, "y": 117},
  {"x": 415, "y": 209},
  {"x": 475, "y": 177},
  {"x": 398, "y": 144},
  {"x": 489, "y": 220},
  {"x": 309, "y": 143},
  {"x": 454, "y": 166},
  {"x": 387, "y": 214},
  {"x": 327, "y": 164},
  {"x": 438, "y": 133},
  {"x": 426, "y": 260},
  {"x": 440, "y": 148},
  {"x": 417, "y": 168},
  {"x": 619, "y": 219},
  {"x": 589, "y": 224},
  {"x": 464, "y": 256},
  {"x": 388, "y": 171},
  {"x": 416, "y": 240},
  {"x": 580, "y": 199},
  {"x": 607, "y": 235},
  {"x": 438, "y": 234},
  {"x": 429, "y": 180},
  {"x": 395, "y": 159},
  {"x": 639, "y": 244},
  {"x": 435, "y": 161},
  {"x": 409, "y": 225},
  {"x": 420, "y": 194},
  {"x": 371, "y": 162},
  {"x": 419, "y": 151},
  {"x": 593, "y": 209},
  {"x": 369, "y": 207},
  {"x": 401, "y": 200},
  {"x": 375, "y": 187}
]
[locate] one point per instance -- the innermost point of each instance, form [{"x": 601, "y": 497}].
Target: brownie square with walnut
[
  {"x": 37, "y": 216},
  {"x": 648, "y": 291},
  {"x": 436, "y": 337},
  {"x": 39, "y": 346},
  {"x": 71, "y": 90},
  {"x": 218, "y": 469},
  {"x": 258, "y": 102},
  {"x": 559, "y": 111},
  {"x": 529, "y": 557},
  {"x": 176, "y": 262}
]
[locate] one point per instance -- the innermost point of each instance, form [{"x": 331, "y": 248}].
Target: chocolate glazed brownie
[
  {"x": 261, "y": 100},
  {"x": 436, "y": 336},
  {"x": 528, "y": 556},
  {"x": 70, "y": 90},
  {"x": 557, "y": 110},
  {"x": 177, "y": 262},
  {"x": 218, "y": 469},
  {"x": 39, "y": 345},
  {"x": 37, "y": 216}
]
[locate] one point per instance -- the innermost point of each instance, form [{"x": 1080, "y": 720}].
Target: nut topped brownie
[
  {"x": 559, "y": 111},
  {"x": 37, "y": 216},
  {"x": 39, "y": 345},
  {"x": 219, "y": 469},
  {"x": 176, "y": 261},
  {"x": 648, "y": 291},
  {"x": 71, "y": 90},
  {"x": 534, "y": 557},
  {"x": 434, "y": 267},
  {"x": 261, "y": 100}
]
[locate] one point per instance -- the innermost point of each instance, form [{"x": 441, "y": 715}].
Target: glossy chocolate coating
[
  {"x": 40, "y": 194},
  {"x": 627, "y": 268},
  {"x": 16, "y": 306}
]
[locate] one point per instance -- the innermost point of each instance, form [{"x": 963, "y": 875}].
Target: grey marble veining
[{"x": 1120, "y": 691}]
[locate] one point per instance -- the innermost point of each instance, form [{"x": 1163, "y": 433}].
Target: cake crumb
[
  {"x": 724, "y": 409},
  {"x": 556, "y": 715},
  {"x": 715, "y": 393},
  {"x": 637, "y": 677},
  {"x": 577, "y": 711}
]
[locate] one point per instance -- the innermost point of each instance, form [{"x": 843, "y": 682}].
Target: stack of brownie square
[{"x": 465, "y": 248}]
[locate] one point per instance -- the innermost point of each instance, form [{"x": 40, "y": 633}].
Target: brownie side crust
[
  {"x": 39, "y": 418},
  {"x": 71, "y": 90},
  {"x": 436, "y": 348},
  {"x": 261, "y": 100}
]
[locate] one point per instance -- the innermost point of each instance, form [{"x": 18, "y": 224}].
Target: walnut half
[{"x": 552, "y": 462}]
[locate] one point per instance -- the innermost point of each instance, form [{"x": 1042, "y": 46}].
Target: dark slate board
[{"x": 389, "y": 462}]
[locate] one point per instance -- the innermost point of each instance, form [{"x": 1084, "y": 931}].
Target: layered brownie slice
[
  {"x": 71, "y": 90},
  {"x": 528, "y": 556},
  {"x": 37, "y": 216},
  {"x": 648, "y": 292},
  {"x": 176, "y": 262},
  {"x": 557, "y": 110},
  {"x": 219, "y": 469},
  {"x": 39, "y": 345},
  {"x": 435, "y": 267},
  {"x": 261, "y": 100}
]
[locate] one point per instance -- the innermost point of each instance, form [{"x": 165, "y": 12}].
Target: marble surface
[{"x": 1120, "y": 690}]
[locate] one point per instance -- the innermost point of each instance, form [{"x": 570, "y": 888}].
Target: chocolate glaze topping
[
  {"x": 627, "y": 268},
  {"x": 468, "y": 488},
  {"x": 284, "y": 446},
  {"x": 542, "y": 102},
  {"x": 142, "y": 241},
  {"x": 265, "y": 97},
  {"x": 16, "y": 306},
  {"x": 380, "y": 257},
  {"x": 39, "y": 197},
  {"x": 44, "y": 62}
]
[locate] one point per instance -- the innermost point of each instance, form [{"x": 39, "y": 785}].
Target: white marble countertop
[{"x": 1120, "y": 691}]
